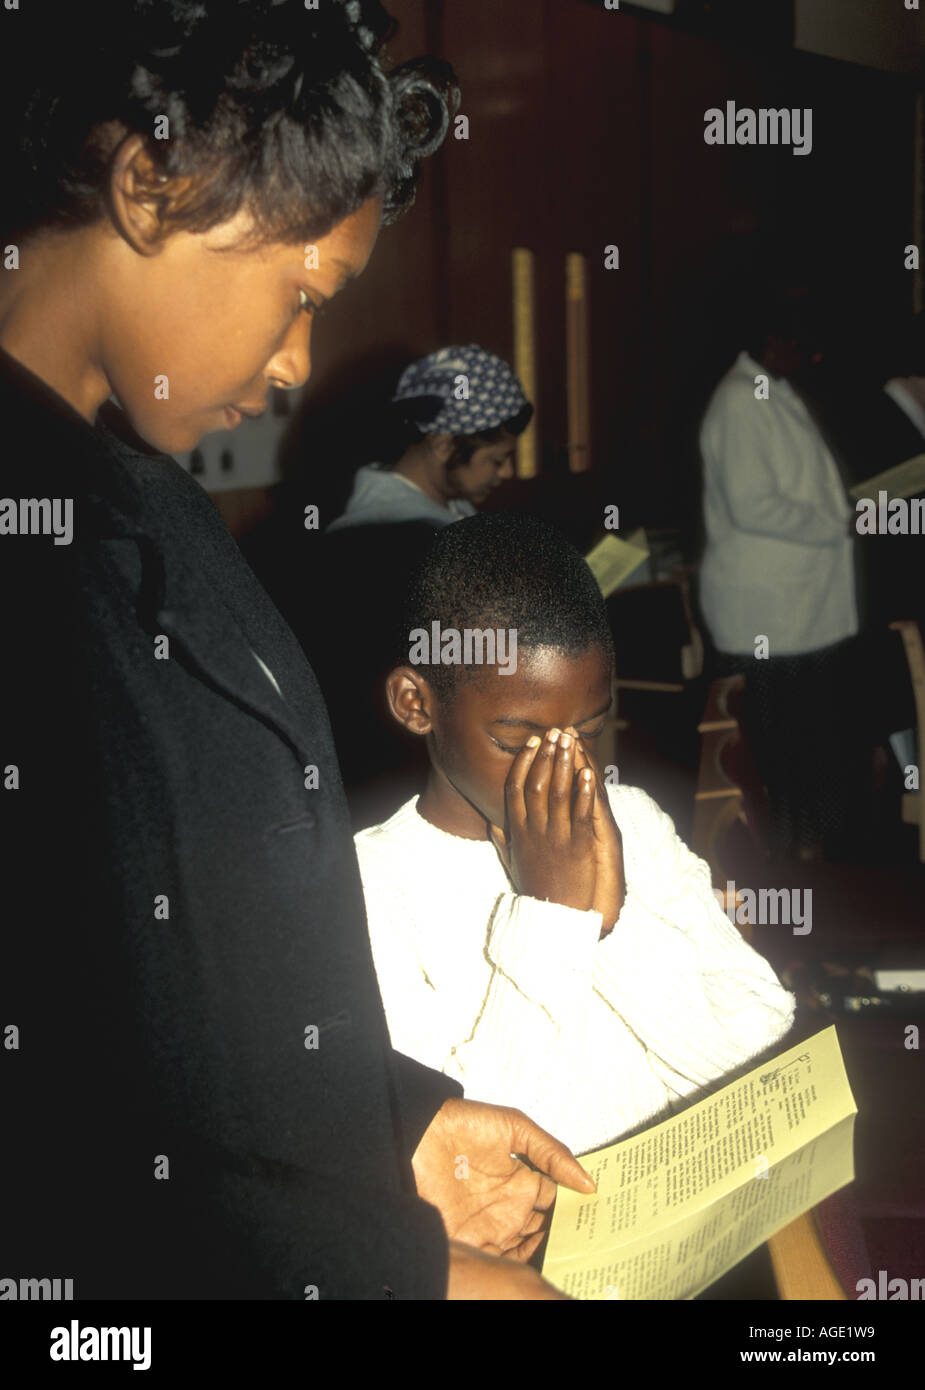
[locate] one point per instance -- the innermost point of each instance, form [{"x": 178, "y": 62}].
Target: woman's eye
[{"x": 308, "y": 305}]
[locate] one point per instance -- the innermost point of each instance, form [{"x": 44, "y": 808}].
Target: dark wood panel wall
[{"x": 586, "y": 130}]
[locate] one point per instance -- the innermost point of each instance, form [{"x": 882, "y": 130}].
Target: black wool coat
[{"x": 199, "y": 1097}]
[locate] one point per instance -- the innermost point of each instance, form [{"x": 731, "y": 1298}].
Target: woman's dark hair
[
  {"x": 465, "y": 445},
  {"x": 270, "y": 106},
  {"x": 505, "y": 570},
  {"x": 402, "y": 430}
]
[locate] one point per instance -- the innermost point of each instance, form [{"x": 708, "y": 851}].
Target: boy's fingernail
[
  {"x": 565, "y": 741},
  {"x": 533, "y": 741},
  {"x": 552, "y": 735}
]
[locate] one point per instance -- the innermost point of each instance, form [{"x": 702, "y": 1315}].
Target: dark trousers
[{"x": 806, "y": 720}]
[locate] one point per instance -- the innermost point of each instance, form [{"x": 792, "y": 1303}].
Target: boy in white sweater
[{"x": 544, "y": 937}]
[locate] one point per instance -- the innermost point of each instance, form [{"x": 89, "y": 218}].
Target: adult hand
[
  {"x": 464, "y": 1167},
  {"x": 473, "y": 1274}
]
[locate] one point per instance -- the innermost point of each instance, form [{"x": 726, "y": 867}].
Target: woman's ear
[
  {"x": 140, "y": 198},
  {"x": 441, "y": 446},
  {"x": 411, "y": 700}
]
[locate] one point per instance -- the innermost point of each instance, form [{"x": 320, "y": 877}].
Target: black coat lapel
[
  {"x": 199, "y": 622},
  {"x": 190, "y": 599}
]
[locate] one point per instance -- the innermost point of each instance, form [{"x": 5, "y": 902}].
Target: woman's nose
[{"x": 291, "y": 366}]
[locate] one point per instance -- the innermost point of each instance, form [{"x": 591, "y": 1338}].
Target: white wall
[{"x": 253, "y": 447}]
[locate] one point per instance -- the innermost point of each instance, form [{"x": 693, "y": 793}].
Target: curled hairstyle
[
  {"x": 276, "y": 108},
  {"x": 504, "y": 570}
]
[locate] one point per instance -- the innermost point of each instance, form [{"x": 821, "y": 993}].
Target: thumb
[
  {"x": 499, "y": 840},
  {"x": 548, "y": 1155}
]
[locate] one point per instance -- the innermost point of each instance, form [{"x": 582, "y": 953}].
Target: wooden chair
[
  {"x": 802, "y": 1269},
  {"x": 719, "y": 801},
  {"x": 667, "y": 664},
  {"x": 913, "y": 804},
  {"x": 661, "y": 606}
]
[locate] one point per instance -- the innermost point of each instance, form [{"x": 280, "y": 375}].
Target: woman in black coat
[{"x": 200, "y": 1099}]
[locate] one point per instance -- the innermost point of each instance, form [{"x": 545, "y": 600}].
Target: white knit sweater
[{"x": 522, "y": 1003}]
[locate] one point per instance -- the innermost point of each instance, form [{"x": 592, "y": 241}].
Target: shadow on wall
[{"x": 342, "y": 423}]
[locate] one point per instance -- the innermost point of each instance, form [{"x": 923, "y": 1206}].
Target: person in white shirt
[
  {"x": 538, "y": 934},
  {"x": 777, "y": 584}
]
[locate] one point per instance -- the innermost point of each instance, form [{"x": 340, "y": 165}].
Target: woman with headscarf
[{"x": 459, "y": 412}]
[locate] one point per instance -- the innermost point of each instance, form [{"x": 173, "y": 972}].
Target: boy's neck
[{"x": 443, "y": 806}]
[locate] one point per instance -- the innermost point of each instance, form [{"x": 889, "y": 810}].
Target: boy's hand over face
[
  {"x": 561, "y": 842},
  {"x": 610, "y": 886},
  {"x": 548, "y": 843}
]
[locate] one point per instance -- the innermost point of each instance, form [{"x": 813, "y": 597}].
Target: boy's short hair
[
  {"x": 270, "y": 106},
  {"x": 506, "y": 570}
]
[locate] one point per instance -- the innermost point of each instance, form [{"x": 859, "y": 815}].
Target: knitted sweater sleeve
[
  {"x": 698, "y": 998},
  {"x": 524, "y": 1021},
  {"x": 675, "y": 968}
]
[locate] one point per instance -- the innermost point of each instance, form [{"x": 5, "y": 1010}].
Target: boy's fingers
[
  {"x": 583, "y": 810},
  {"x": 610, "y": 886},
  {"x": 560, "y": 788},
  {"x": 514, "y": 784},
  {"x": 536, "y": 787},
  {"x": 605, "y": 825},
  {"x": 583, "y": 760},
  {"x": 609, "y": 892},
  {"x": 580, "y": 756}
]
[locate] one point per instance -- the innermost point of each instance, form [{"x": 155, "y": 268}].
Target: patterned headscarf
[{"x": 477, "y": 389}]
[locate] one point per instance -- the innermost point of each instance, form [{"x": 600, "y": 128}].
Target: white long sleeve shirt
[
  {"x": 382, "y": 495},
  {"x": 778, "y": 560},
  {"x": 521, "y": 1002}
]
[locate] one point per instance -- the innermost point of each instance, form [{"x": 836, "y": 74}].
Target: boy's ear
[
  {"x": 139, "y": 196},
  {"x": 410, "y": 699}
]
